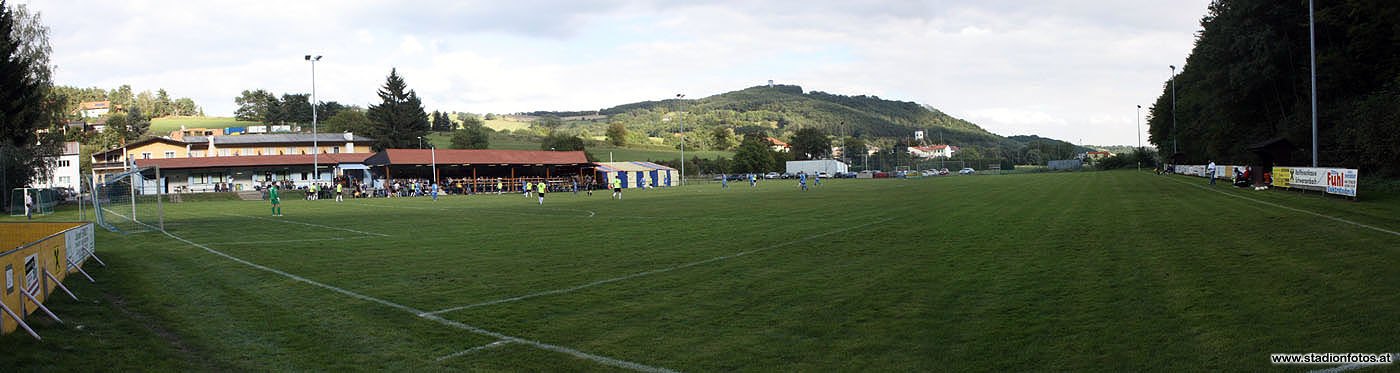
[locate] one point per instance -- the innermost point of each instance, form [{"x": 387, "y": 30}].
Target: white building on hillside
[
  {"x": 932, "y": 151},
  {"x": 63, "y": 171}
]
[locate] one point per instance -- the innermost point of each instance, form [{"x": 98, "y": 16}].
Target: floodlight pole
[
  {"x": 1138, "y": 151},
  {"x": 315, "y": 145},
  {"x": 434, "y": 154},
  {"x": 1174, "y": 151},
  {"x": 1312, "y": 51},
  {"x": 681, "y": 120}
]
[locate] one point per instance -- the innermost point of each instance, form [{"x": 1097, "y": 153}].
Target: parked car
[
  {"x": 967, "y": 171},
  {"x": 882, "y": 175},
  {"x": 772, "y": 175},
  {"x": 789, "y": 175},
  {"x": 823, "y": 175}
]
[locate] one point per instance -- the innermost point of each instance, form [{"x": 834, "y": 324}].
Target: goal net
[
  {"x": 32, "y": 201},
  {"x": 130, "y": 202}
]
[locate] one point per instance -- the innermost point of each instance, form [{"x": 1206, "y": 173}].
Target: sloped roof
[
  {"x": 629, "y": 166},
  {"x": 252, "y": 160},
  {"x": 476, "y": 157},
  {"x": 118, "y": 149},
  {"x": 277, "y": 138}
]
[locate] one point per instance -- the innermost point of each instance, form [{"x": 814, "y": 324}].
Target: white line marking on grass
[
  {"x": 1343, "y": 368},
  {"x": 495, "y": 344},
  {"x": 540, "y": 345},
  {"x": 312, "y": 225},
  {"x": 651, "y": 272},
  {"x": 458, "y": 325},
  {"x": 287, "y": 241},
  {"x": 1378, "y": 229},
  {"x": 591, "y": 213}
]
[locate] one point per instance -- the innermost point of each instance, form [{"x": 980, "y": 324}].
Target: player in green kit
[
  {"x": 276, "y": 200},
  {"x": 541, "y": 187}
]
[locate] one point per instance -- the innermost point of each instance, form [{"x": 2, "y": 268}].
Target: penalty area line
[
  {"x": 413, "y": 311},
  {"x": 469, "y": 351},
  {"x": 651, "y": 272}
]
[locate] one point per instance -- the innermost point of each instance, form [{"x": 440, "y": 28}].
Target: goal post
[
  {"x": 40, "y": 201},
  {"x": 130, "y": 202}
]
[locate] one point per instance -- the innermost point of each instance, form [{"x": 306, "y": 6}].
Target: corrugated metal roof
[
  {"x": 252, "y": 160},
  {"x": 477, "y": 157},
  {"x": 275, "y": 138},
  {"x": 629, "y": 166}
]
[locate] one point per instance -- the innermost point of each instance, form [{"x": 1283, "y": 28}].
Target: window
[
  {"x": 269, "y": 151},
  {"x": 196, "y": 153},
  {"x": 170, "y": 154},
  {"x": 335, "y": 150},
  {"x": 303, "y": 176},
  {"x": 223, "y": 152},
  {"x": 145, "y": 155},
  {"x": 64, "y": 179},
  {"x": 63, "y": 163}
]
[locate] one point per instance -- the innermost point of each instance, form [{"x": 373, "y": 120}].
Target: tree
[
  {"x": 294, "y": 108},
  {"x": 810, "y": 143},
  {"x": 753, "y": 156},
  {"x": 24, "y": 76},
  {"x": 441, "y": 122},
  {"x": 399, "y": 119},
  {"x": 617, "y": 134},
  {"x": 253, "y": 106},
  {"x": 137, "y": 123},
  {"x": 471, "y": 137},
  {"x": 855, "y": 148},
  {"x": 561, "y": 141},
  {"x": 470, "y": 120},
  {"x": 329, "y": 109},
  {"x": 724, "y": 138},
  {"x": 549, "y": 122},
  {"x": 163, "y": 105},
  {"x": 185, "y": 106},
  {"x": 349, "y": 120}
]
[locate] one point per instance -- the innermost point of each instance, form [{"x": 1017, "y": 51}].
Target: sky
[{"x": 1068, "y": 69}]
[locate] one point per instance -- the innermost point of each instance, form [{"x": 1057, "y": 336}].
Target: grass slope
[
  {"x": 166, "y": 124},
  {"x": 1117, "y": 271}
]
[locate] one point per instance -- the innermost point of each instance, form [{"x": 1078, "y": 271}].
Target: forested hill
[
  {"x": 1248, "y": 81},
  {"x": 780, "y": 109}
]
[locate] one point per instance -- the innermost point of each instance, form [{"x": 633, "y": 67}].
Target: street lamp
[
  {"x": 1312, "y": 51},
  {"x": 420, "y": 142},
  {"x": 315, "y": 146},
  {"x": 1138, "y": 151},
  {"x": 1173, "y": 109},
  {"x": 680, "y": 96}
]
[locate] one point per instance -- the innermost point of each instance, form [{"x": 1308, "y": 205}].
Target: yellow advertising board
[
  {"x": 33, "y": 256},
  {"x": 1282, "y": 176}
]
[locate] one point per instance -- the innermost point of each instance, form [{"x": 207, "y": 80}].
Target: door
[
  {"x": 639, "y": 179},
  {"x": 655, "y": 178},
  {"x": 622, "y": 178}
]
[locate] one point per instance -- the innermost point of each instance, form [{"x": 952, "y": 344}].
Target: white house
[
  {"x": 63, "y": 170},
  {"x": 94, "y": 109},
  {"x": 932, "y": 151}
]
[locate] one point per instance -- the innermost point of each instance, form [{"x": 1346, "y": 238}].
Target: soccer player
[
  {"x": 275, "y": 199},
  {"x": 817, "y": 179},
  {"x": 575, "y": 186},
  {"x": 542, "y": 186},
  {"x": 616, "y": 187},
  {"x": 753, "y": 180},
  {"x": 28, "y": 206},
  {"x": 435, "y": 191},
  {"x": 802, "y": 179},
  {"x": 498, "y": 186},
  {"x": 723, "y": 181},
  {"x": 339, "y": 193}
]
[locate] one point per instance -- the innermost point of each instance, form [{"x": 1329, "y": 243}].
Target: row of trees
[
  {"x": 154, "y": 105},
  {"x": 28, "y": 103},
  {"x": 1248, "y": 80},
  {"x": 291, "y": 108}
]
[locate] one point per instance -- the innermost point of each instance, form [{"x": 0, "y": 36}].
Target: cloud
[{"x": 1064, "y": 69}]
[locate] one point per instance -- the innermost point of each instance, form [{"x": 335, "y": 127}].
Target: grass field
[
  {"x": 1091, "y": 271},
  {"x": 164, "y": 125}
]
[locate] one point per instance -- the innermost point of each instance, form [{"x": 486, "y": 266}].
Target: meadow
[
  {"x": 164, "y": 125},
  {"x": 1085, "y": 271}
]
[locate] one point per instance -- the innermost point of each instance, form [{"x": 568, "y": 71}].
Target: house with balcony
[{"x": 120, "y": 159}]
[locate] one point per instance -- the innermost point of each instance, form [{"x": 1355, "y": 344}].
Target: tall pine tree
[
  {"x": 399, "y": 119},
  {"x": 23, "y": 110}
]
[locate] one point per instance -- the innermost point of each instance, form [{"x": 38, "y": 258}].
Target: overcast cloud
[{"x": 1072, "y": 70}]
